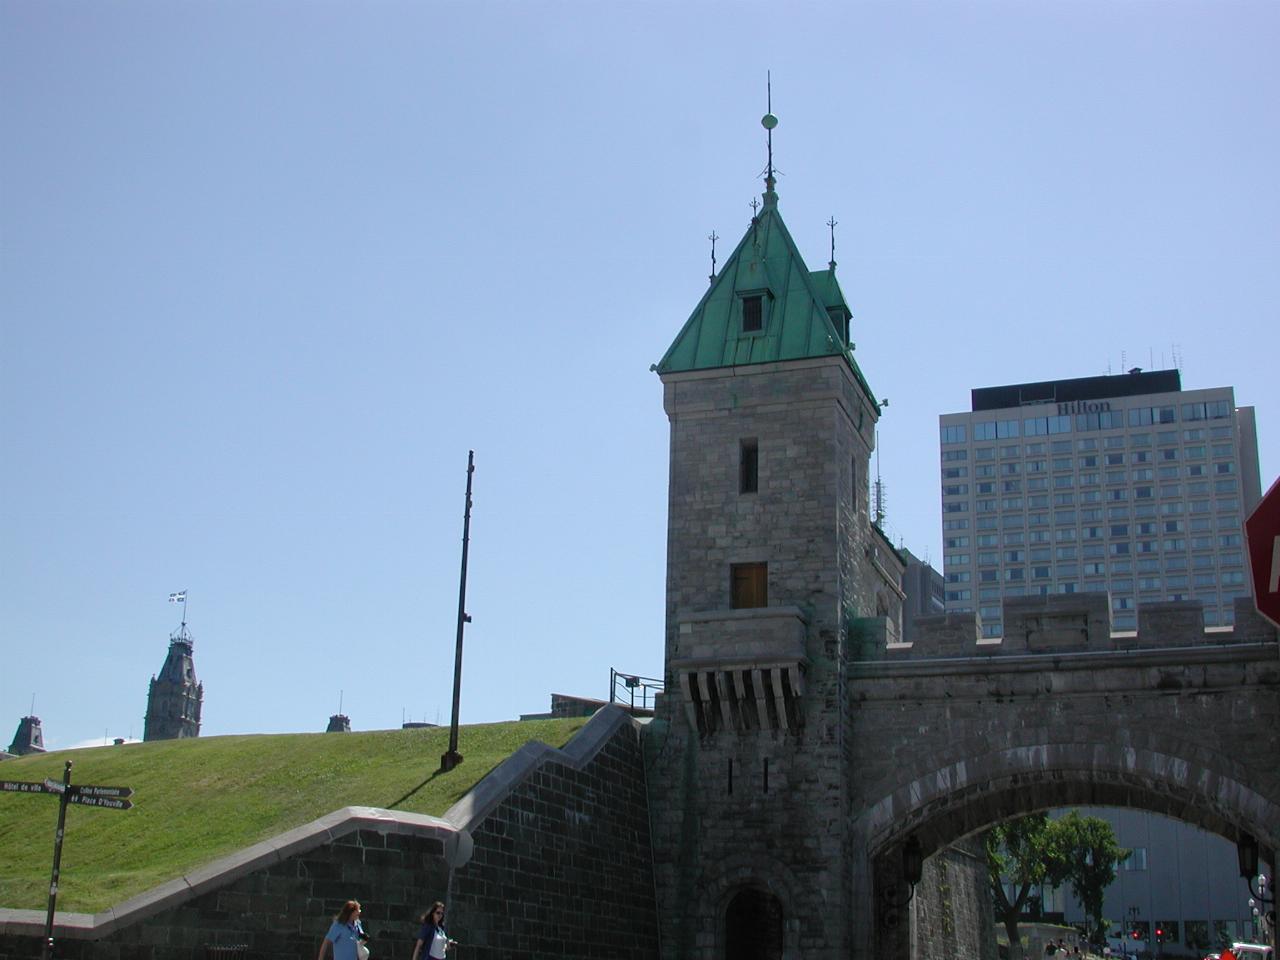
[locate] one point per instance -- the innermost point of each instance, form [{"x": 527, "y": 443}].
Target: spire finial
[
  {"x": 833, "y": 223},
  {"x": 769, "y": 121},
  {"x": 713, "y": 238}
]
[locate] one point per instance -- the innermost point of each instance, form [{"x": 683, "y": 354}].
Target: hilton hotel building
[{"x": 1127, "y": 484}]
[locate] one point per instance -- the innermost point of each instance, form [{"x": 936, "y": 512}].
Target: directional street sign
[
  {"x": 1262, "y": 530},
  {"x": 89, "y": 790},
  {"x": 110, "y": 802},
  {"x": 25, "y": 786},
  {"x": 85, "y": 794}
]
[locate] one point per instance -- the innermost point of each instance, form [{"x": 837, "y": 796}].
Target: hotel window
[
  {"x": 954, "y": 434},
  {"x": 952, "y": 473},
  {"x": 985, "y": 430},
  {"x": 948, "y": 455},
  {"x": 748, "y": 585}
]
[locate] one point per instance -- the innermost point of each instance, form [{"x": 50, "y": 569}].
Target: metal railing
[{"x": 630, "y": 690}]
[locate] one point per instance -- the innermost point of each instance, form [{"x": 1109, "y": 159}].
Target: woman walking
[
  {"x": 345, "y": 934},
  {"x": 433, "y": 942}
]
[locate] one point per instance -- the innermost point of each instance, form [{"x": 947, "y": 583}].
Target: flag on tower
[{"x": 178, "y": 597}]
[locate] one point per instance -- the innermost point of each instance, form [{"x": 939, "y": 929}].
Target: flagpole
[{"x": 452, "y": 757}]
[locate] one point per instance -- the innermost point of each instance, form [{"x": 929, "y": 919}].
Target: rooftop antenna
[
  {"x": 33, "y": 706},
  {"x": 340, "y": 703},
  {"x": 833, "y": 223},
  {"x": 713, "y": 238}
]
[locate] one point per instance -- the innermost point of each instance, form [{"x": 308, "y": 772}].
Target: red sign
[{"x": 1262, "y": 530}]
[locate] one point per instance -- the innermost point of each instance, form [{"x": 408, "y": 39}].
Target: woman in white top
[{"x": 433, "y": 942}]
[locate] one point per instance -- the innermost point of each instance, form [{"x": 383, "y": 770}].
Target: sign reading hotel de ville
[{"x": 1262, "y": 530}]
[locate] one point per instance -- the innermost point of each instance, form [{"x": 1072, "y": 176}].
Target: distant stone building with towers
[
  {"x": 28, "y": 739},
  {"x": 175, "y": 697}
]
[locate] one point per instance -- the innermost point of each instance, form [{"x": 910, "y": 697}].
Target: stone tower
[
  {"x": 175, "y": 697},
  {"x": 776, "y": 576},
  {"x": 29, "y": 738}
]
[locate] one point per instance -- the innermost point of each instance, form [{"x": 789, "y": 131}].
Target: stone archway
[
  {"x": 939, "y": 818},
  {"x": 753, "y": 926}
]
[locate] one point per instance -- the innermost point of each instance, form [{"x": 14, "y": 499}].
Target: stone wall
[
  {"x": 562, "y": 864},
  {"x": 548, "y": 855},
  {"x": 954, "y": 733},
  {"x": 273, "y": 907},
  {"x": 952, "y": 908}
]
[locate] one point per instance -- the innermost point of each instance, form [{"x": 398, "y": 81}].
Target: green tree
[
  {"x": 1026, "y": 853},
  {"x": 1095, "y": 854},
  {"x": 1034, "y": 850}
]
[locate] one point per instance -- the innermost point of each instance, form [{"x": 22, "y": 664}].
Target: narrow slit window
[
  {"x": 748, "y": 466},
  {"x": 749, "y": 585},
  {"x": 752, "y": 314}
]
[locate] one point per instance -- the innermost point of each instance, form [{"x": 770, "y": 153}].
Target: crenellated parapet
[{"x": 1073, "y": 623}]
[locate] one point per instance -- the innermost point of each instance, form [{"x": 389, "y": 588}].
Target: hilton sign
[{"x": 1081, "y": 406}]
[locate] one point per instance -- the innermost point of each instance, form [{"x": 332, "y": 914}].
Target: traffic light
[
  {"x": 1159, "y": 934},
  {"x": 1136, "y": 934}
]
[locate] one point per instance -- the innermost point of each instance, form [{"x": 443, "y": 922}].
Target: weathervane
[
  {"x": 755, "y": 206},
  {"x": 833, "y": 223},
  {"x": 769, "y": 121},
  {"x": 713, "y": 238}
]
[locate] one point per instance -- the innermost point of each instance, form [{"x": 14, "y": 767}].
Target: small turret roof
[{"x": 796, "y": 323}]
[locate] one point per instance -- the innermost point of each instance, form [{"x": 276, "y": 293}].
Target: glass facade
[{"x": 1139, "y": 496}]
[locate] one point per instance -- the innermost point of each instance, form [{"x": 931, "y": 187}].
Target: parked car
[{"x": 1252, "y": 951}]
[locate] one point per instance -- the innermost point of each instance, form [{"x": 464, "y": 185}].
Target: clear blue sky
[{"x": 268, "y": 270}]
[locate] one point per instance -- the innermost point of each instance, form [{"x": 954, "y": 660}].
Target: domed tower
[
  {"x": 776, "y": 574},
  {"x": 175, "y": 697}
]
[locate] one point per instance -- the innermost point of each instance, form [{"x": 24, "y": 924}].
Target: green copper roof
[{"x": 795, "y": 303}]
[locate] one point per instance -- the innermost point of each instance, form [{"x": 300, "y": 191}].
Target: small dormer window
[
  {"x": 752, "y": 313},
  {"x": 840, "y": 320}
]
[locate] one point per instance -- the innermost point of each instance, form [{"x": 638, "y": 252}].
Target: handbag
[{"x": 362, "y": 952}]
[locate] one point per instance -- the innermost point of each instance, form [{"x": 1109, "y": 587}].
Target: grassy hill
[{"x": 197, "y": 800}]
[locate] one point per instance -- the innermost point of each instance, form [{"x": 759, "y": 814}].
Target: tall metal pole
[
  {"x": 452, "y": 758},
  {"x": 47, "y": 954}
]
